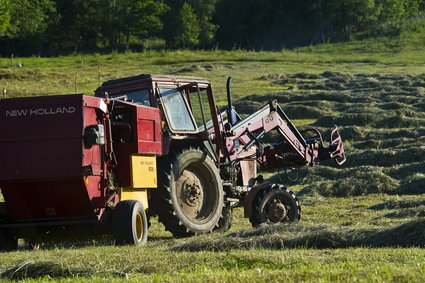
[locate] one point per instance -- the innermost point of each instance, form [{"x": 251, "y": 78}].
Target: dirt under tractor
[{"x": 77, "y": 166}]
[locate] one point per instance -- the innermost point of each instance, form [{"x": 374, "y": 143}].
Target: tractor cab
[{"x": 188, "y": 109}]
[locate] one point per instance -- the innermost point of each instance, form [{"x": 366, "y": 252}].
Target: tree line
[{"x": 51, "y": 27}]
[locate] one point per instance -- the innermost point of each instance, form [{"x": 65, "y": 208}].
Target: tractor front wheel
[
  {"x": 129, "y": 223},
  {"x": 275, "y": 204}
]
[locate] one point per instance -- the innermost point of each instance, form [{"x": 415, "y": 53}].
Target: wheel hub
[
  {"x": 192, "y": 191},
  {"x": 277, "y": 212}
]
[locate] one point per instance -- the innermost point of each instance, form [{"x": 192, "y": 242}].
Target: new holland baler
[{"x": 57, "y": 160}]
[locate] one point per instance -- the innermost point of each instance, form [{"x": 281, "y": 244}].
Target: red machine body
[
  {"x": 44, "y": 171},
  {"x": 137, "y": 131}
]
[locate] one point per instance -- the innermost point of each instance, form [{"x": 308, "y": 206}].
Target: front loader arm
[{"x": 292, "y": 152}]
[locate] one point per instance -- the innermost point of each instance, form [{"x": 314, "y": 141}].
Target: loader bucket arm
[
  {"x": 337, "y": 148},
  {"x": 292, "y": 152}
]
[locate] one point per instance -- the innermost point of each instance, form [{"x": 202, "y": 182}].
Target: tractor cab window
[
  {"x": 140, "y": 96},
  {"x": 200, "y": 106},
  {"x": 176, "y": 110}
]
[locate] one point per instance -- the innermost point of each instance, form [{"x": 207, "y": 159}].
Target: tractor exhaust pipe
[{"x": 231, "y": 113}]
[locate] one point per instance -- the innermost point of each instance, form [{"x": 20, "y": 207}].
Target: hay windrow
[
  {"x": 407, "y": 212},
  {"x": 395, "y": 204},
  {"x": 343, "y": 182},
  {"x": 412, "y": 185},
  {"x": 204, "y": 68},
  {"x": 20, "y": 74},
  {"x": 386, "y": 157},
  {"x": 396, "y": 120},
  {"x": 405, "y": 171},
  {"x": 352, "y": 133},
  {"x": 281, "y": 236},
  {"x": 357, "y": 184}
]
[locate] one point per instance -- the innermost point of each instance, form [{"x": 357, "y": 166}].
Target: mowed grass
[
  {"x": 116, "y": 264},
  {"x": 378, "y": 155},
  {"x": 160, "y": 261}
]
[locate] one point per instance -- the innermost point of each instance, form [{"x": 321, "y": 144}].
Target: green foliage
[
  {"x": 4, "y": 15},
  {"x": 53, "y": 26},
  {"x": 124, "y": 18},
  {"x": 282, "y": 23},
  {"x": 99, "y": 23},
  {"x": 412, "y": 28},
  {"x": 29, "y": 17},
  {"x": 350, "y": 16},
  {"x": 204, "y": 11},
  {"x": 187, "y": 27}
]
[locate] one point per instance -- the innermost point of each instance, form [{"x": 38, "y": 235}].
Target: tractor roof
[{"x": 153, "y": 77}]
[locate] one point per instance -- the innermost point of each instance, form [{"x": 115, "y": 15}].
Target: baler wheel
[
  {"x": 8, "y": 242},
  {"x": 129, "y": 223},
  {"x": 275, "y": 204},
  {"x": 190, "y": 198}
]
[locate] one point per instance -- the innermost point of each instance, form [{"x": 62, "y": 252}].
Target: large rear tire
[
  {"x": 129, "y": 223},
  {"x": 275, "y": 204},
  {"x": 189, "y": 199},
  {"x": 225, "y": 222}
]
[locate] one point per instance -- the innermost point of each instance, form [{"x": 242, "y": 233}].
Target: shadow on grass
[{"x": 31, "y": 269}]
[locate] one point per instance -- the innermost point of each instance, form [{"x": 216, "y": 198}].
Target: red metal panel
[
  {"x": 147, "y": 139},
  {"x": 40, "y": 159},
  {"x": 47, "y": 200},
  {"x": 146, "y": 130},
  {"x": 149, "y": 130},
  {"x": 40, "y": 137},
  {"x": 42, "y": 155},
  {"x": 92, "y": 155},
  {"x": 93, "y": 102},
  {"x": 122, "y": 153}
]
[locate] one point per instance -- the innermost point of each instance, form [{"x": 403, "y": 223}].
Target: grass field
[{"x": 362, "y": 222}]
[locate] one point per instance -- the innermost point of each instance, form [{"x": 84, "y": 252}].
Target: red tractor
[{"x": 74, "y": 165}]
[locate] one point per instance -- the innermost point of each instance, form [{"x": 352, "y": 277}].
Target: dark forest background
[{"x": 54, "y": 27}]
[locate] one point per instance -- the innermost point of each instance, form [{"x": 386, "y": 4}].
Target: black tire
[
  {"x": 189, "y": 199},
  {"x": 275, "y": 204},
  {"x": 129, "y": 223},
  {"x": 8, "y": 242},
  {"x": 225, "y": 222}
]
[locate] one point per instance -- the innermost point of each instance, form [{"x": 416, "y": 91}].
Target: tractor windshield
[
  {"x": 140, "y": 96},
  {"x": 176, "y": 110}
]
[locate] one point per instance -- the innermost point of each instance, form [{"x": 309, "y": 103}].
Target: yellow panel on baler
[
  {"x": 135, "y": 194},
  {"x": 143, "y": 171}
]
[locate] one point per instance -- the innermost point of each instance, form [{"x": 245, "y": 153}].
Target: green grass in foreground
[
  {"x": 157, "y": 262},
  {"x": 151, "y": 265}
]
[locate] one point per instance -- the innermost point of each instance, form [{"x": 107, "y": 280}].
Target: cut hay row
[{"x": 280, "y": 236}]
